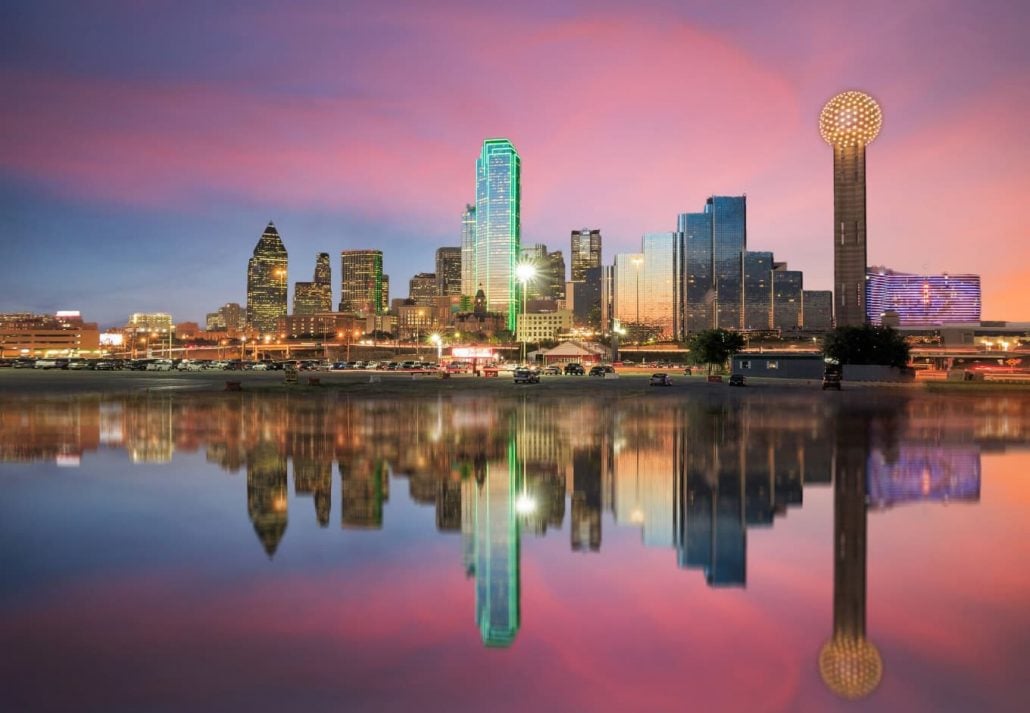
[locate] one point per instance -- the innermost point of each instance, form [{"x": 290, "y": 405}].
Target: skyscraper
[
  {"x": 422, "y": 289},
  {"x": 756, "y": 290},
  {"x": 817, "y": 310},
  {"x": 585, "y": 253},
  {"x": 315, "y": 296},
  {"x": 498, "y": 226},
  {"x": 361, "y": 281},
  {"x": 849, "y": 122},
  {"x": 266, "y": 282},
  {"x": 787, "y": 286},
  {"x": 448, "y": 271},
  {"x": 699, "y": 286},
  {"x": 549, "y": 282},
  {"x": 712, "y": 272},
  {"x": 729, "y": 240},
  {"x": 468, "y": 251}
]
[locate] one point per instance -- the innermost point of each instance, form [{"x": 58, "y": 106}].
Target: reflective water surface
[{"x": 724, "y": 552}]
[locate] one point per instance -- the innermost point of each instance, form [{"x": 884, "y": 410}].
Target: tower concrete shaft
[{"x": 849, "y": 244}]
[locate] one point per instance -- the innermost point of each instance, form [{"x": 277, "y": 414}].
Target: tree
[
  {"x": 866, "y": 344},
  {"x": 714, "y": 346}
]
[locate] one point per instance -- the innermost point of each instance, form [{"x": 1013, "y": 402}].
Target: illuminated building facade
[
  {"x": 326, "y": 326},
  {"x": 315, "y": 296},
  {"x": 448, "y": 271},
  {"x": 496, "y": 548},
  {"x": 362, "y": 288},
  {"x": 230, "y": 317},
  {"x": 923, "y": 300},
  {"x": 422, "y": 289},
  {"x": 626, "y": 289},
  {"x": 498, "y": 226},
  {"x": 468, "y": 251},
  {"x": 148, "y": 322},
  {"x": 266, "y": 282},
  {"x": 540, "y": 326},
  {"x": 35, "y": 335},
  {"x": 848, "y": 123},
  {"x": 647, "y": 288},
  {"x": 585, "y": 253}
]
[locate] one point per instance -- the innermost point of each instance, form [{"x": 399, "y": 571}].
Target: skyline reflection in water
[{"x": 693, "y": 477}]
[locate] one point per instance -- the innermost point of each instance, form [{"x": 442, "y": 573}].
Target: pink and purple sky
[{"x": 146, "y": 144}]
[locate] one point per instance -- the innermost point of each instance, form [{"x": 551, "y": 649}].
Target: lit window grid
[
  {"x": 924, "y": 299},
  {"x": 534, "y": 327},
  {"x": 498, "y": 226},
  {"x": 729, "y": 240},
  {"x": 757, "y": 290},
  {"x": 361, "y": 281}
]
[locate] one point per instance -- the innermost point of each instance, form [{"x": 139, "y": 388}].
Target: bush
[{"x": 866, "y": 345}]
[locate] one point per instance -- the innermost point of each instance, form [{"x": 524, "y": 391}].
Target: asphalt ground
[{"x": 54, "y": 382}]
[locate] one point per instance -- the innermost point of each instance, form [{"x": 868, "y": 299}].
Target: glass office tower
[
  {"x": 729, "y": 240},
  {"x": 585, "y": 252},
  {"x": 787, "y": 288},
  {"x": 498, "y": 226},
  {"x": 756, "y": 281},
  {"x": 468, "y": 251},
  {"x": 266, "y": 282},
  {"x": 626, "y": 288},
  {"x": 448, "y": 271},
  {"x": 698, "y": 284},
  {"x": 659, "y": 290}
]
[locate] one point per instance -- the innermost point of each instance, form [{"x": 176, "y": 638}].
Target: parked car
[
  {"x": 660, "y": 379},
  {"x": 522, "y": 375},
  {"x": 574, "y": 370},
  {"x": 46, "y": 364},
  {"x": 737, "y": 380},
  {"x": 552, "y": 370},
  {"x": 160, "y": 365},
  {"x": 601, "y": 370},
  {"x": 77, "y": 363},
  {"x": 831, "y": 380},
  {"x": 24, "y": 363}
]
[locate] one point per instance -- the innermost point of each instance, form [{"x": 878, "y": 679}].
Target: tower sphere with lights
[
  {"x": 850, "y": 118},
  {"x": 849, "y": 122}
]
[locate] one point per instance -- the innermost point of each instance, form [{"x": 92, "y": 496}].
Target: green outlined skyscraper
[
  {"x": 498, "y": 226},
  {"x": 496, "y": 550}
]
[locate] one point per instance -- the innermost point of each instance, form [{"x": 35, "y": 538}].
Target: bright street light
[{"x": 524, "y": 272}]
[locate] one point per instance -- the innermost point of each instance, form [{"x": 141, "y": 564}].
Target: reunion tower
[{"x": 849, "y": 122}]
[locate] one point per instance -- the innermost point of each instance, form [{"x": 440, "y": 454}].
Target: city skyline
[{"x": 125, "y": 150}]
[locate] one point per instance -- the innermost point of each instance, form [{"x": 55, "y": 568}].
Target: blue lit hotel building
[{"x": 922, "y": 300}]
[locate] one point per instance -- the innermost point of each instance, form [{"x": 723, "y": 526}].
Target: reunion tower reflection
[{"x": 849, "y": 663}]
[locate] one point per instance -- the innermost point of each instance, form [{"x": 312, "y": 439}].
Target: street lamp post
[
  {"x": 524, "y": 273},
  {"x": 435, "y": 339}
]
